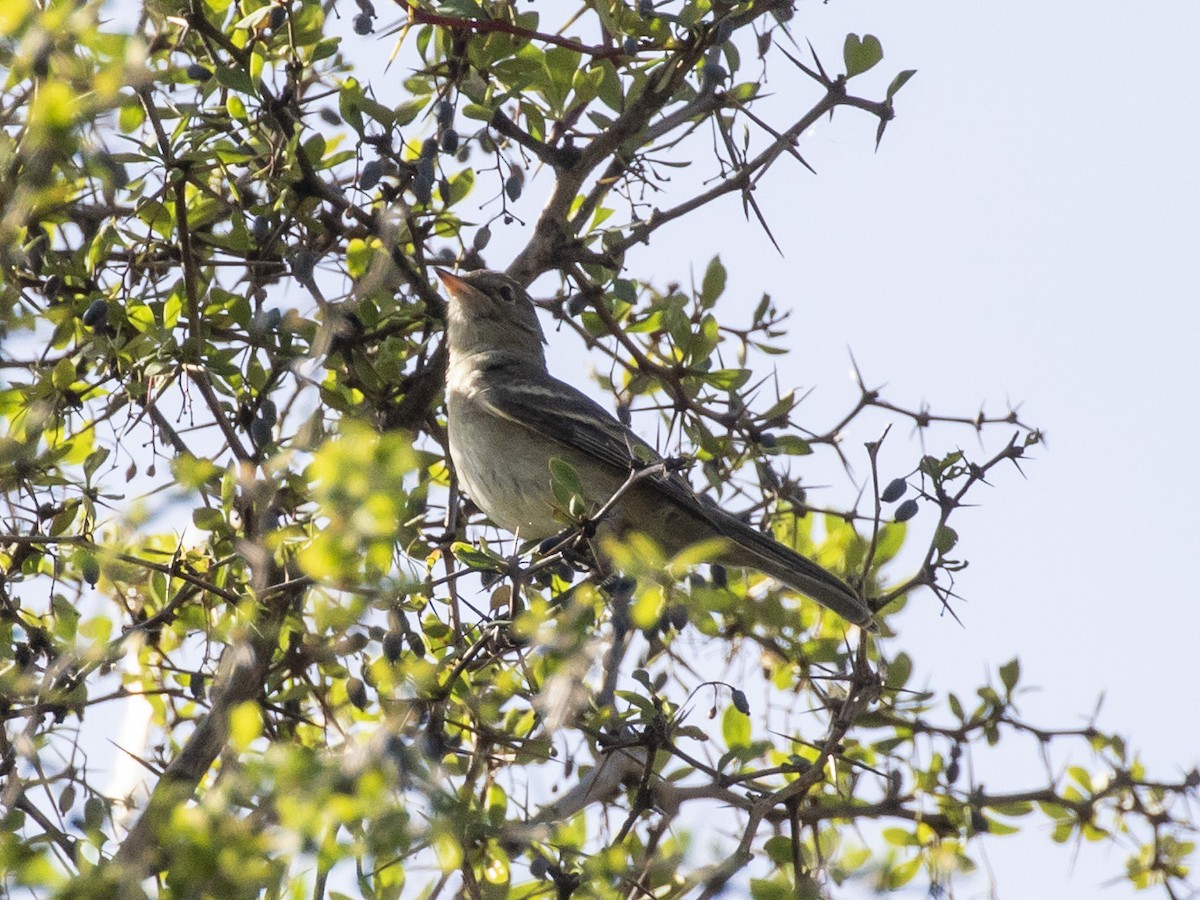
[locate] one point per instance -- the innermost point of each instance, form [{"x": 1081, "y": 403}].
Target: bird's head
[{"x": 489, "y": 311}]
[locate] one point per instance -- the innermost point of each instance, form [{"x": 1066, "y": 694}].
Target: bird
[{"x": 508, "y": 418}]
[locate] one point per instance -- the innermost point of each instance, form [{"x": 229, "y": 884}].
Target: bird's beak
[
  {"x": 453, "y": 283},
  {"x": 459, "y": 289}
]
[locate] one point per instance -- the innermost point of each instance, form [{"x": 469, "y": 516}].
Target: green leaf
[
  {"x": 131, "y": 117},
  {"x": 409, "y": 110},
  {"x": 779, "y": 849},
  {"x": 1016, "y": 808},
  {"x": 735, "y": 728},
  {"x": 254, "y": 19},
  {"x": 902, "y": 874},
  {"x": 236, "y": 79},
  {"x": 713, "y": 285},
  {"x": 861, "y": 54},
  {"x": 944, "y": 539},
  {"x": 66, "y": 616},
  {"x": 1010, "y": 673},
  {"x": 792, "y": 444},
  {"x": 567, "y": 486},
  {"x": 95, "y": 460},
  {"x": 476, "y": 558},
  {"x": 956, "y": 707},
  {"x": 63, "y": 375},
  {"x": 900, "y": 837},
  {"x": 245, "y": 725},
  {"x": 478, "y": 111},
  {"x": 727, "y": 379},
  {"x": 466, "y": 9},
  {"x": 561, "y": 65},
  {"x": 208, "y": 519},
  {"x": 461, "y": 184},
  {"x": 899, "y": 81},
  {"x": 898, "y": 671},
  {"x": 358, "y": 257}
]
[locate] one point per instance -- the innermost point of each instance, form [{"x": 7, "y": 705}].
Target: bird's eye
[{"x": 506, "y": 293}]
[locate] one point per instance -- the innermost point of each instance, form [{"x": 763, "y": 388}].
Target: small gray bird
[{"x": 508, "y": 417}]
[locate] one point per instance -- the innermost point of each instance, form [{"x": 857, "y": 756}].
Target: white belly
[{"x": 516, "y": 496}]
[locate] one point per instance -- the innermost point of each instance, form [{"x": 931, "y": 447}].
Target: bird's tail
[{"x": 753, "y": 549}]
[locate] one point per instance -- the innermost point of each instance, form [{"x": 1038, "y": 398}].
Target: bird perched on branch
[{"x": 508, "y": 418}]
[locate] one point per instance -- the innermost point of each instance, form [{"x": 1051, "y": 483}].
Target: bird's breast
[{"x": 502, "y": 468}]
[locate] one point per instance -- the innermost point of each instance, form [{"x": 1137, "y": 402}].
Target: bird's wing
[{"x": 560, "y": 413}]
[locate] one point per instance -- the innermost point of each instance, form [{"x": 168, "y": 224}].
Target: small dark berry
[
  {"x": 260, "y": 432},
  {"x": 443, "y": 111},
  {"x": 96, "y": 313},
  {"x": 630, "y": 46},
  {"x": 357, "y": 692},
  {"x": 41, "y": 60},
  {"x": 197, "y": 72},
  {"x": 302, "y": 264},
  {"x": 429, "y": 148},
  {"x": 740, "y": 703},
  {"x": 894, "y": 490},
  {"x": 906, "y": 510},
  {"x": 89, "y": 567},
  {"x": 371, "y": 172},
  {"x": 278, "y": 17},
  {"x": 449, "y": 141},
  {"x": 363, "y": 24},
  {"x": 393, "y": 645},
  {"x": 260, "y": 228},
  {"x": 576, "y": 304},
  {"x": 712, "y": 75},
  {"x": 482, "y": 236},
  {"x": 513, "y": 186}
]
